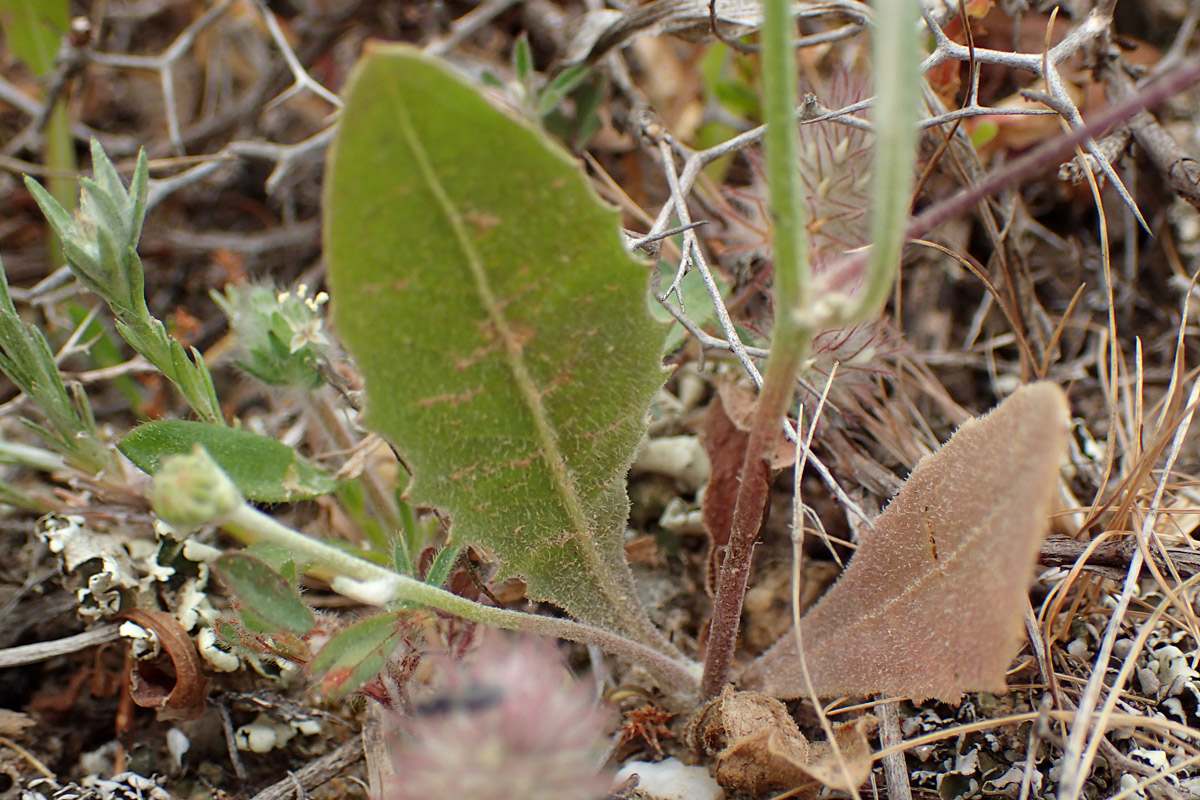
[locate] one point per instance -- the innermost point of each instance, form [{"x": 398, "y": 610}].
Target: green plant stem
[
  {"x": 251, "y": 525},
  {"x": 896, "y": 58},
  {"x": 379, "y": 498},
  {"x": 34, "y": 457},
  {"x": 790, "y": 339},
  {"x": 60, "y": 157}
]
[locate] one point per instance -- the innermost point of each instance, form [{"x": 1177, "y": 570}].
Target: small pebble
[{"x": 672, "y": 780}]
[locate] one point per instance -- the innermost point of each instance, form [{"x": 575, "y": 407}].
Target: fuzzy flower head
[
  {"x": 282, "y": 334},
  {"x": 834, "y": 163},
  {"x": 507, "y": 722}
]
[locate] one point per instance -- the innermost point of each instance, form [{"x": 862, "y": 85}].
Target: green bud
[{"x": 192, "y": 490}]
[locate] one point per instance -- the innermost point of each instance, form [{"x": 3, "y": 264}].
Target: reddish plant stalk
[{"x": 749, "y": 515}]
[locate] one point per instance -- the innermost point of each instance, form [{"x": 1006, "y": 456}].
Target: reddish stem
[{"x": 749, "y": 515}]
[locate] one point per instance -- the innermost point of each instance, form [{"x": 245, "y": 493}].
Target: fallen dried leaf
[
  {"x": 759, "y": 748},
  {"x": 12, "y": 723},
  {"x": 725, "y": 435},
  {"x": 852, "y": 740}
]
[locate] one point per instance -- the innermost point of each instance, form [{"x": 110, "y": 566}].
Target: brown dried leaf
[
  {"x": 932, "y": 603},
  {"x": 759, "y": 748},
  {"x": 757, "y": 745},
  {"x": 826, "y": 767},
  {"x": 173, "y": 684}
]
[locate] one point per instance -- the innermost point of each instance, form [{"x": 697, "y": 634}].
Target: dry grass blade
[{"x": 1077, "y": 759}]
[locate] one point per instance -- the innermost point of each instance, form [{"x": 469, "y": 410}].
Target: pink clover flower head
[{"x": 506, "y": 722}]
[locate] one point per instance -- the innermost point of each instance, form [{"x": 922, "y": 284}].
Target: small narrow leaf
[
  {"x": 523, "y": 61},
  {"x": 278, "y": 558},
  {"x": 443, "y": 562},
  {"x": 263, "y": 469},
  {"x": 32, "y": 29},
  {"x": 932, "y": 602},
  {"x": 401, "y": 557},
  {"x": 356, "y": 654},
  {"x": 502, "y": 331},
  {"x": 265, "y": 599}
]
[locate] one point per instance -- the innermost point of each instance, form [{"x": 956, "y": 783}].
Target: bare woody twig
[
  {"x": 1181, "y": 171},
  {"x": 1042, "y": 158},
  {"x": 895, "y": 770},
  {"x": 164, "y": 65},
  {"x": 33, "y": 653},
  {"x": 1111, "y": 558},
  {"x": 317, "y": 773}
]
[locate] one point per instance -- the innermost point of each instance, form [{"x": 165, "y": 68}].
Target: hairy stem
[
  {"x": 385, "y": 586},
  {"x": 790, "y": 340}
]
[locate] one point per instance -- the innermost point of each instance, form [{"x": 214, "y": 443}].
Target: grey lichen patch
[{"x": 110, "y": 573}]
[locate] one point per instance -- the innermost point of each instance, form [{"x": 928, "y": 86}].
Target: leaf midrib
[{"x": 551, "y": 454}]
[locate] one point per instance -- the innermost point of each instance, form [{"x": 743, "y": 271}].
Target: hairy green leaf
[
  {"x": 355, "y": 654},
  {"x": 266, "y": 601},
  {"x": 932, "y": 603},
  {"x": 503, "y": 332},
  {"x": 263, "y": 469}
]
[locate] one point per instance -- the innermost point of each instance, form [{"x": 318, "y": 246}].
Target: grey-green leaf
[
  {"x": 503, "y": 332},
  {"x": 267, "y": 601},
  {"x": 355, "y": 654},
  {"x": 263, "y": 469},
  {"x": 32, "y": 29}
]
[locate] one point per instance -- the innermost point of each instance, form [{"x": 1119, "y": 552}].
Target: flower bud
[{"x": 192, "y": 490}]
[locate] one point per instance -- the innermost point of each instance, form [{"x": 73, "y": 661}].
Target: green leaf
[
  {"x": 401, "y": 558},
  {"x": 263, "y": 469},
  {"x": 266, "y": 600},
  {"x": 503, "y": 333},
  {"x": 279, "y": 558},
  {"x": 560, "y": 87},
  {"x": 32, "y": 30},
  {"x": 356, "y": 654},
  {"x": 568, "y": 79},
  {"x": 523, "y": 61},
  {"x": 443, "y": 562}
]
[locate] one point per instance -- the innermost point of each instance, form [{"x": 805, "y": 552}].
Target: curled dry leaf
[
  {"x": 725, "y": 435},
  {"x": 172, "y": 683},
  {"x": 853, "y": 768},
  {"x": 932, "y": 603},
  {"x": 759, "y": 748}
]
